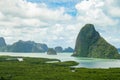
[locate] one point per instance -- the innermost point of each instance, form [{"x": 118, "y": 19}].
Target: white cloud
[
  {"x": 91, "y": 11},
  {"x": 24, "y": 20},
  {"x": 1, "y": 16},
  {"x": 31, "y": 21},
  {"x": 112, "y": 8},
  {"x": 101, "y": 13},
  {"x": 115, "y": 12},
  {"x": 24, "y": 9}
]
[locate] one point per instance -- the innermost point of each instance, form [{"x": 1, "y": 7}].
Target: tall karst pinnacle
[{"x": 89, "y": 43}]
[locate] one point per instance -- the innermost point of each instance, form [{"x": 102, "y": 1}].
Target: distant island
[
  {"x": 89, "y": 43},
  {"x": 29, "y": 46},
  {"x": 59, "y": 49},
  {"x": 51, "y": 51}
]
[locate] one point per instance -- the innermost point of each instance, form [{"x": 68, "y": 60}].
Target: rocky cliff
[
  {"x": 51, "y": 51},
  {"x": 2, "y": 42},
  {"x": 89, "y": 43},
  {"x": 25, "y": 46},
  {"x": 59, "y": 49}
]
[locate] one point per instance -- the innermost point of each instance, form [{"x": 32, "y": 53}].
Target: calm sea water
[{"x": 83, "y": 62}]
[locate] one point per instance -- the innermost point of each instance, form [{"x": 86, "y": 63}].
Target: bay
[{"x": 83, "y": 62}]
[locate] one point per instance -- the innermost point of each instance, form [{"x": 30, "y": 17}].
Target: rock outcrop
[
  {"x": 58, "y": 49},
  {"x": 25, "y": 46},
  {"x": 89, "y": 43},
  {"x": 68, "y": 50},
  {"x": 2, "y": 42},
  {"x": 51, "y": 51}
]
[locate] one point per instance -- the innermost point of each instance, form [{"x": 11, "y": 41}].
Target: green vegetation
[
  {"x": 23, "y": 46},
  {"x": 89, "y": 43},
  {"x": 38, "y": 69}
]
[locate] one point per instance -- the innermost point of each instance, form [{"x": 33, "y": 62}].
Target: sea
[{"x": 83, "y": 62}]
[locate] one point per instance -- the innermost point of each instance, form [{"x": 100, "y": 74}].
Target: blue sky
[
  {"x": 69, "y": 5},
  {"x": 57, "y": 22}
]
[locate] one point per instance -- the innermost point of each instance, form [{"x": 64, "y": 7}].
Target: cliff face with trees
[
  {"x": 89, "y": 43},
  {"x": 24, "y": 46},
  {"x": 2, "y": 42},
  {"x": 51, "y": 51},
  {"x": 29, "y": 46}
]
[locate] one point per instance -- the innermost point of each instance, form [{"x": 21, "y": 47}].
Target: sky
[{"x": 58, "y": 22}]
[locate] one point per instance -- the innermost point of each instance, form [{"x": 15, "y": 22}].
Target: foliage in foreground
[{"x": 38, "y": 69}]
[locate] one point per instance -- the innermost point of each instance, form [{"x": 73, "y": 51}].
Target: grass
[{"x": 38, "y": 69}]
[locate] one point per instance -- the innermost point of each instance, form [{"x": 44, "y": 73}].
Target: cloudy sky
[{"x": 57, "y": 22}]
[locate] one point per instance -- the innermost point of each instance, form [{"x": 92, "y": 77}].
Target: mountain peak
[
  {"x": 2, "y": 42},
  {"x": 90, "y": 44}
]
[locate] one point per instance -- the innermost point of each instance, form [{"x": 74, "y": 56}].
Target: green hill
[{"x": 89, "y": 43}]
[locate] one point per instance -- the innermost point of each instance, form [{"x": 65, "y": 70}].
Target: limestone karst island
[
  {"x": 59, "y": 39},
  {"x": 89, "y": 43}
]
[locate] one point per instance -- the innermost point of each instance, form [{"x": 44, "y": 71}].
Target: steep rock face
[
  {"x": 58, "y": 49},
  {"x": 27, "y": 46},
  {"x": 2, "y": 42},
  {"x": 51, "y": 51},
  {"x": 89, "y": 43},
  {"x": 69, "y": 49}
]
